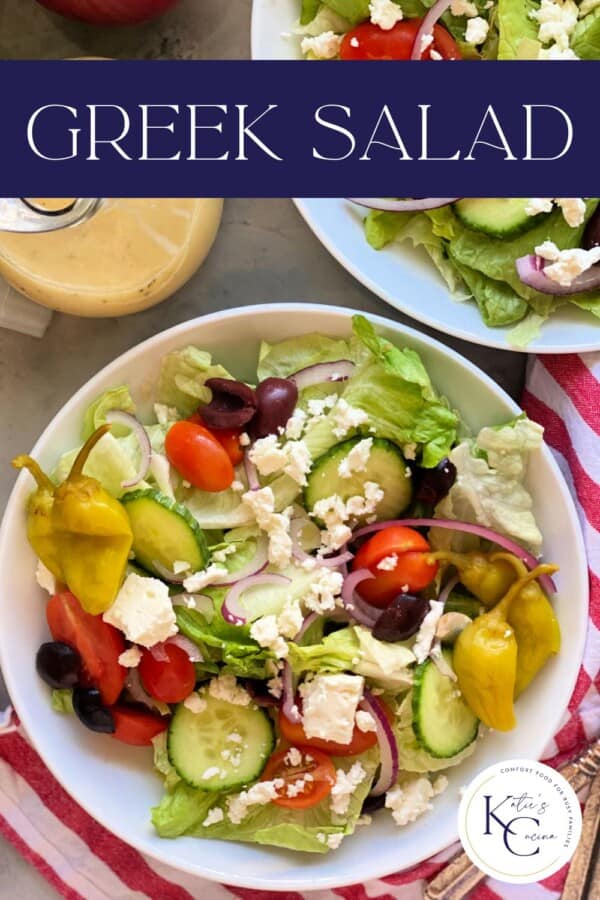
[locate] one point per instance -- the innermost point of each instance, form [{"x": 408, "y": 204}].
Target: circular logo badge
[{"x": 519, "y": 821}]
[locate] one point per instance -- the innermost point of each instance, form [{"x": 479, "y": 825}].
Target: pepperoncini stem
[
  {"x": 502, "y": 608},
  {"x": 82, "y": 456},
  {"x": 26, "y": 462},
  {"x": 517, "y": 564}
]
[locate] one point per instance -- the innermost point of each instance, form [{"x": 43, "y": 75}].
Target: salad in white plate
[
  {"x": 311, "y": 595},
  {"x": 519, "y": 259}
]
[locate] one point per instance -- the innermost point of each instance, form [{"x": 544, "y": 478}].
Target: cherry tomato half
[
  {"x": 283, "y": 764},
  {"x": 295, "y": 734},
  {"x": 98, "y": 644},
  {"x": 229, "y": 439},
  {"x": 413, "y": 570},
  {"x": 170, "y": 680},
  {"x": 137, "y": 726},
  {"x": 198, "y": 456},
  {"x": 368, "y": 41}
]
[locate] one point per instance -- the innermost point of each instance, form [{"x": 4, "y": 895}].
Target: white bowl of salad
[
  {"x": 412, "y": 29},
  {"x": 229, "y": 626}
]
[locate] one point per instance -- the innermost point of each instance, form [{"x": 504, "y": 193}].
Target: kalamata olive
[
  {"x": 591, "y": 235},
  {"x": 58, "y": 664},
  {"x": 434, "y": 484},
  {"x": 372, "y": 804},
  {"x": 87, "y": 704},
  {"x": 277, "y": 398},
  {"x": 260, "y": 693},
  {"x": 233, "y": 404},
  {"x": 401, "y": 619}
]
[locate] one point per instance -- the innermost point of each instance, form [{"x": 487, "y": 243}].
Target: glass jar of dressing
[{"x": 127, "y": 256}]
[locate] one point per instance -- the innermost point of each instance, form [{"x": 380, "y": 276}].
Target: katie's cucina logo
[{"x": 519, "y": 821}]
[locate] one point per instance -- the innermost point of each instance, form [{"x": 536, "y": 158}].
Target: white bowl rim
[{"x": 324, "y": 882}]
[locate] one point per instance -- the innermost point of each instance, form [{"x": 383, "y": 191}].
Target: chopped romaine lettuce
[
  {"x": 183, "y": 376},
  {"x": 94, "y": 416},
  {"x": 412, "y": 757},
  {"x": 62, "y": 701}
]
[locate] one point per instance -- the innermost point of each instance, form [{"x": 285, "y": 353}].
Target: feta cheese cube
[
  {"x": 225, "y": 687},
  {"x": 214, "y": 816},
  {"x": 329, "y": 704},
  {"x": 323, "y": 46},
  {"x": 143, "y": 611},
  {"x": 45, "y": 578},
  {"x": 477, "y": 31},
  {"x": 413, "y": 798},
  {"x": 130, "y": 658},
  {"x": 347, "y": 417},
  {"x": 266, "y": 633},
  {"x": 345, "y": 785},
  {"x": 357, "y": 459},
  {"x": 566, "y": 265},
  {"x": 385, "y": 13}
]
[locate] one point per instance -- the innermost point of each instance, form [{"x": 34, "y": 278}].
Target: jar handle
[{"x": 21, "y": 215}]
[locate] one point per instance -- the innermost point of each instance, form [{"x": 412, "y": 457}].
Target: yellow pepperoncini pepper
[
  {"x": 485, "y": 659},
  {"x": 40, "y": 530},
  {"x": 90, "y": 534},
  {"x": 487, "y": 577},
  {"x": 535, "y": 625}
]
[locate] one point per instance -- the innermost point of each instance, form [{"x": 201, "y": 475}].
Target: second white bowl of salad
[{"x": 244, "y": 622}]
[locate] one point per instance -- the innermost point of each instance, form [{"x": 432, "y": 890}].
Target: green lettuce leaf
[
  {"x": 497, "y": 302},
  {"x": 585, "y": 40},
  {"x": 286, "y": 357},
  {"x": 183, "y": 810},
  {"x": 112, "y": 461},
  {"x": 219, "y": 642},
  {"x": 518, "y": 31},
  {"x": 62, "y": 701},
  {"x": 183, "y": 376},
  {"x": 412, "y": 757},
  {"x": 310, "y": 8},
  {"x": 94, "y": 416}
]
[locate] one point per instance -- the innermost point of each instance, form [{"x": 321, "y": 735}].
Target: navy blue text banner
[{"x": 282, "y": 129}]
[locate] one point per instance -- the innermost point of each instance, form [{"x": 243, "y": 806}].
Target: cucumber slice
[
  {"x": 197, "y": 740},
  {"x": 463, "y": 603},
  {"x": 385, "y": 466},
  {"x": 442, "y": 722},
  {"x": 498, "y": 217},
  {"x": 164, "y": 532}
]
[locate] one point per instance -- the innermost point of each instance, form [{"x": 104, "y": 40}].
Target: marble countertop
[{"x": 264, "y": 253}]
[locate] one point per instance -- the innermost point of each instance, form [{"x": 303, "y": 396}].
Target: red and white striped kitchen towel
[{"x": 83, "y": 860}]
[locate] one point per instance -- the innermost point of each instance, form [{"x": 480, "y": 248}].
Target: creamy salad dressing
[{"x": 131, "y": 255}]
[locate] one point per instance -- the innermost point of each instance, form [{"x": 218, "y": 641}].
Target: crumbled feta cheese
[
  {"x": 347, "y": 417},
  {"x": 222, "y": 554},
  {"x": 557, "y": 53},
  {"x": 225, "y": 687},
  {"x": 556, "y": 19},
  {"x": 214, "y": 816},
  {"x": 293, "y": 757},
  {"x": 426, "y": 42},
  {"x": 234, "y": 738},
  {"x": 388, "y": 563},
  {"x": 266, "y": 633},
  {"x": 566, "y": 265},
  {"x": 321, "y": 837},
  {"x": 573, "y": 210},
  {"x": 354, "y": 42},
  {"x": 295, "y": 425},
  {"x": 199, "y": 580},
  {"x": 244, "y": 439},
  {"x": 143, "y": 611},
  {"x": 45, "y": 578},
  {"x": 334, "y": 840},
  {"x": 195, "y": 703},
  {"x": 436, "y": 57},
  {"x": 179, "y": 566},
  {"x": 537, "y": 205},
  {"x": 130, "y": 658},
  {"x": 275, "y": 686},
  {"x": 329, "y": 704},
  {"x": 324, "y": 590},
  {"x": 357, "y": 507},
  {"x": 259, "y": 794},
  {"x": 211, "y": 772},
  {"x": 365, "y": 721},
  {"x": 463, "y": 8},
  {"x": 262, "y": 505},
  {"x": 385, "y": 13},
  {"x": 267, "y": 455},
  {"x": 298, "y": 461},
  {"x": 290, "y": 619},
  {"x": 318, "y": 407},
  {"x": 323, "y": 46},
  {"x": 332, "y": 511},
  {"x": 477, "y": 31},
  {"x": 411, "y": 799},
  {"x": 357, "y": 459},
  {"x": 345, "y": 785},
  {"x": 238, "y": 486},
  {"x": 426, "y": 633}
]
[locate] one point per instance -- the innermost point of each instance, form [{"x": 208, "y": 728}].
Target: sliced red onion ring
[
  {"x": 330, "y": 562},
  {"x": 358, "y": 608},
  {"x": 255, "y": 566},
  {"x": 435, "y": 13},
  {"x": 388, "y": 748},
  {"x": 231, "y": 610},
  {"x": 288, "y": 700},
  {"x": 388, "y": 205},
  {"x": 480, "y": 530},
  {"x": 251, "y": 473},
  {"x": 447, "y": 589},
  {"x": 189, "y": 647},
  {"x": 308, "y": 621},
  {"x": 341, "y": 370},
  {"x": 119, "y": 417},
  {"x": 530, "y": 270},
  {"x": 159, "y": 653}
]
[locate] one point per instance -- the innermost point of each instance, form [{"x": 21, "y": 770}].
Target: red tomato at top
[
  {"x": 98, "y": 644},
  {"x": 137, "y": 726},
  {"x": 170, "y": 680},
  {"x": 368, "y": 41},
  {"x": 198, "y": 456},
  {"x": 295, "y": 734},
  {"x": 109, "y": 12},
  {"x": 413, "y": 570},
  {"x": 229, "y": 439},
  {"x": 304, "y": 794}
]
